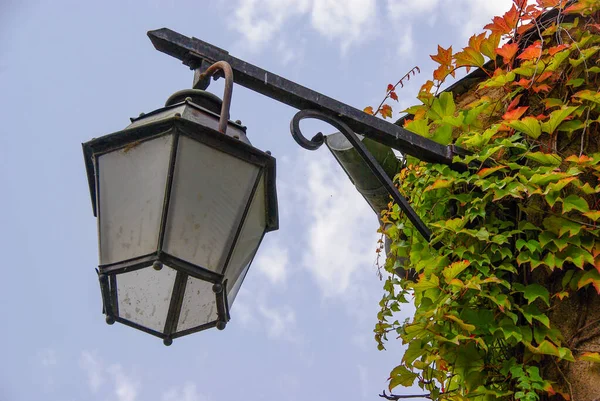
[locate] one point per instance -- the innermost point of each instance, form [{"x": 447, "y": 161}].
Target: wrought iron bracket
[
  {"x": 374, "y": 166},
  {"x": 199, "y": 55}
]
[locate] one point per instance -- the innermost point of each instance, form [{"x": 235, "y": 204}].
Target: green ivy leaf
[
  {"x": 455, "y": 269},
  {"x": 545, "y": 159},
  {"x": 535, "y": 291},
  {"x": 574, "y": 202},
  {"x": 401, "y": 376},
  {"x": 557, "y": 117},
  {"x": 528, "y": 125}
]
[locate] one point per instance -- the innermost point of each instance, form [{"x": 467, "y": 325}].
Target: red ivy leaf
[
  {"x": 394, "y": 96},
  {"x": 553, "y": 50},
  {"x": 368, "y": 110},
  {"x": 508, "y": 51},
  {"x": 544, "y": 76},
  {"x": 540, "y": 88},
  {"x": 524, "y": 28},
  {"x": 514, "y": 103},
  {"x": 532, "y": 52},
  {"x": 515, "y": 114},
  {"x": 386, "y": 111},
  {"x": 390, "y": 87},
  {"x": 506, "y": 23},
  {"x": 523, "y": 82}
]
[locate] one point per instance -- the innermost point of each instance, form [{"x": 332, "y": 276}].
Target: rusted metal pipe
[{"x": 228, "y": 72}]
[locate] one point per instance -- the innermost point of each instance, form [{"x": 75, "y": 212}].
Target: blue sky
[{"x": 302, "y": 324}]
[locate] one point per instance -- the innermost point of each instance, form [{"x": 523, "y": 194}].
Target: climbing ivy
[{"x": 515, "y": 232}]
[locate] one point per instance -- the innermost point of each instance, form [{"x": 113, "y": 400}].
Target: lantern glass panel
[
  {"x": 199, "y": 305},
  {"x": 208, "y": 197},
  {"x": 132, "y": 183},
  {"x": 247, "y": 243},
  {"x": 144, "y": 296}
]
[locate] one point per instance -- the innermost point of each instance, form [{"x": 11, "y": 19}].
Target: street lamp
[{"x": 183, "y": 201}]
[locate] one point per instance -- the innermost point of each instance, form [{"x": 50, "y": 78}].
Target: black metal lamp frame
[{"x": 200, "y": 56}]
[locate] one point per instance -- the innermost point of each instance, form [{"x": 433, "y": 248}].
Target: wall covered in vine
[{"x": 507, "y": 293}]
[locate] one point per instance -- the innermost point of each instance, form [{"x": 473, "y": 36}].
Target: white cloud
[
  {"x": 406, "y": 9},
  {"x": 188, "y": 392},
  {"x": 406, "y": 44},
  {"x": 280, "y": 322},
  {"x": 126, "y": 388},
  {"x": 272, "y": 262},
  {"x": 261, "y": 21},
  {"x": 348, "y": 21},
  {"x": 342, "y": 228},
  {"x": 90, "y": 363}
]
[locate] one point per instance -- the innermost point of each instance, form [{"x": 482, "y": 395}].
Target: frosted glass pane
[
  {"x": 199, "y": 305},
  {"x": 144, "y": 296},
  {"x": 249, "y": 239},
  {"x": 235, "y": 286},
  {"x": 132, "y": 185},
  {"x": 207, "y": 200}
]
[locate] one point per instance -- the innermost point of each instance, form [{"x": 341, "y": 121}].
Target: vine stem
[
  {"x": 405, "y": 76},
  {"x": 395, "y": 397},
  {"x": 564, "y": 378}
]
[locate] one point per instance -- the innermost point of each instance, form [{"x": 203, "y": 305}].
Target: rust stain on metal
[{"x": 131, "y": 146}]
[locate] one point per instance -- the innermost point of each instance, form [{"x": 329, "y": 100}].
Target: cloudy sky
[{"x": 302, "y": 325}]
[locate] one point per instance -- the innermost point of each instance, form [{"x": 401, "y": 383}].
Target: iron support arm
[
  {"x": 364, "y": 153},
  {"x": 198, "y": 54}
]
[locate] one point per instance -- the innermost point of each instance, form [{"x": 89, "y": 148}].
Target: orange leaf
[
  {"x": 544, "y": 76},
  {"x": 508, "y": 51},
  {"x": 520, "y": 3},
  {"x": 390, "y": 87},
  {"x": 368, "y": 110},
  {"x": 515, "y": 114},
  {"x": 498, "y": 25},
  {"x": 540, "y": 88},
  {"x": 512, "y": 17},
  {"x": 553, "y": 50},
  {"x": 534, "y": 51},
  {"x": 476, "y": 40},
  {"x": 441, "y": 72},
  {"x": 394, "y": 96},
  {"x": 524, "y": 28},
  {"x": 386, "y": 111},
  {"x": 506, "y": 23},
  {"x": 548, "y": 3},
  {"x": 514, "y": 103},
  {"x": 523, "y": 82},
  {"x": 443, "y": 56},
  {"x": 427, "y": 86}
]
